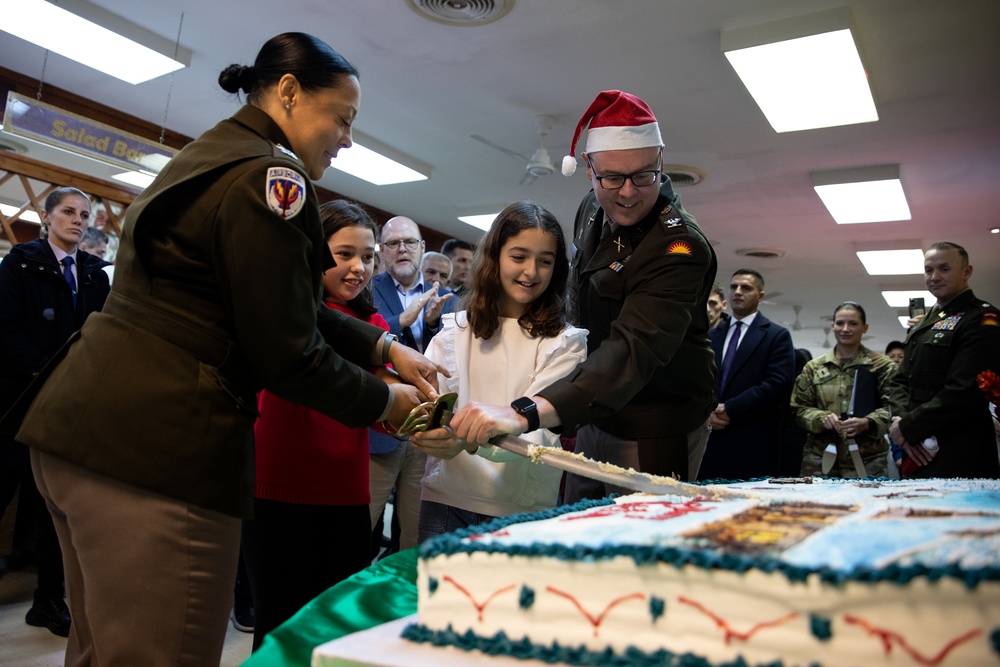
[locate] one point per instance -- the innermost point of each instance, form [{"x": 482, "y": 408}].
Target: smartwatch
[
  {"x": 389, "y": 339},
  {"x": 526, "y": 407}
]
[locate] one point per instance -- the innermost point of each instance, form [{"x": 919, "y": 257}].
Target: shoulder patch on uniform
[
  {"x": 286, "y": 191},
  {"x": 679, "y": 248},
  {"x": 990, "y": 319}
]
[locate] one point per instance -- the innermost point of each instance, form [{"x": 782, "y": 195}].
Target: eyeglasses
[
  {"x": 409, "y": 244},
  {"x": 640, "y": 179}
]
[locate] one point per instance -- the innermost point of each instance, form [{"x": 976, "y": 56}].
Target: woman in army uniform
[
  {"x": 822, "y": 395},
  {"x": 217, "y": 295}
]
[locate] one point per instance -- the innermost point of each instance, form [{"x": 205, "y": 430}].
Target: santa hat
[{"x": 618, "y": 121}]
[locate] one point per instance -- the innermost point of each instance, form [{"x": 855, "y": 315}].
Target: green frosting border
[{"x": 523, "y": 649}]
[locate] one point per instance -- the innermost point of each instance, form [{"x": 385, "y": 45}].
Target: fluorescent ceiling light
[
  {"x": 862, "y": 194},
  {"x": 901, "y": 298},
  {"x": 373, "y": 167},
  {"x": 139, "y": 179},
  {"x": 27, "y": 216},
  {"x": 483, "y": 222},
  {"x": 804, "y": 72},
  {"x": 904, "y": 321},
  {"x": 94, "y": 37},
  {"x": 892, "y": 262}
]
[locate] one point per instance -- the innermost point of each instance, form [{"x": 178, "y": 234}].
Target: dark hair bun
[{"x": 235, "y": 78}]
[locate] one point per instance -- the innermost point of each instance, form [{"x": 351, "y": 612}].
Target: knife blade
[{"x": 611, "y": 474}]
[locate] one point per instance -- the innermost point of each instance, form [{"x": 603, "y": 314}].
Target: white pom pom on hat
[{"x": 618, "y": 121}]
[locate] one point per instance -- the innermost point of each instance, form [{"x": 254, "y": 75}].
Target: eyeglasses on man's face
[
  {"x": 640, "y": 179},
  {"x": 409, "y": 244}
]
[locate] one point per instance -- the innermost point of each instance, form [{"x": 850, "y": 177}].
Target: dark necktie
[
  {"x": 727, "y": 361},
  {"x": 67, "y": 263}
]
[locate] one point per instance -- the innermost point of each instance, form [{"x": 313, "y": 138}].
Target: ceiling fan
[{"x": 539, "y": 164}]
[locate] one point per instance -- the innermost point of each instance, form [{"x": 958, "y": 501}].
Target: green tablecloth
[{"x": 381, "y": 593}]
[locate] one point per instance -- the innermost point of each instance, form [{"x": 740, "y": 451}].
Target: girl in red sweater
[{"x": 311, "y": 527}]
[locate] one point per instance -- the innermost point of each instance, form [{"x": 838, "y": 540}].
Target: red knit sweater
[{"x": 305, "y": 457}]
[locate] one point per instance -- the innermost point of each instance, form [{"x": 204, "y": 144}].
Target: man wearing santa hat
[{"x": 643, "y": 271}]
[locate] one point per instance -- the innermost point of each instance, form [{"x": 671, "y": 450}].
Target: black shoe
[
  {"x": 243, "y": 618},
  {"x": 52, "y": 614}
]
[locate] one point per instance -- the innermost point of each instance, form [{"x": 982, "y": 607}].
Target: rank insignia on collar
[
  {"x": 679, "y": 248},
  {"x": 285, "y": 192},
  {"x": 673, "y": 222},
  {"x": 287, "y": 152}
]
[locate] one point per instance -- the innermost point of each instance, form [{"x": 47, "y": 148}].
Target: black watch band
[
  {"x": 526, "y": 407},
  {"x": 389, "y": 340},
  {"x": 872, "y": 426}
]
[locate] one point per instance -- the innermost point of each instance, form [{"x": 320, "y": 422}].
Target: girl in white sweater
[{"x": 510, "y": 341}]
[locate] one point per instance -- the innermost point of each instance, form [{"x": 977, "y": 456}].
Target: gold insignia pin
[{"x": 618, "y": 242}]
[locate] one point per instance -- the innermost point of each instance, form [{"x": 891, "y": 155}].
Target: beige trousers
[{"x": 149, "y": 579}]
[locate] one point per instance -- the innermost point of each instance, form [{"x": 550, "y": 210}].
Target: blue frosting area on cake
[{"x": 465, "y": 541}]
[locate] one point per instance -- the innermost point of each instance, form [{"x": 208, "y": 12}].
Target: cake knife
[
  {"x": 438, "y": 413},
  {"x": 612, "y": 474}
]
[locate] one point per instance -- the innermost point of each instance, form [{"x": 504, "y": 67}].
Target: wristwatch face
[{"x": 523, "y": 404}]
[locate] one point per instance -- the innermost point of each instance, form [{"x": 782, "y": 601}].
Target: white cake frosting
[{"x": 829, "y": 573}]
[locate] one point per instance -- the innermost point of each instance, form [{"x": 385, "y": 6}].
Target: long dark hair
[
  {"x": 340, "y": 213},
  {"x": 546, "y": 315},
  {"x": 312, "y": 61}
]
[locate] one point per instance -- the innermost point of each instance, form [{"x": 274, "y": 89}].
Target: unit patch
[
  {"x": 990, "y": 319},
  {"x": 679, "y": 248},
  {"x": 286, "y": 191}
]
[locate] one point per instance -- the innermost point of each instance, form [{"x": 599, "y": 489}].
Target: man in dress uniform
[
  {"x": 642, "y": 272},
  {"x": 941, "y": 418}
]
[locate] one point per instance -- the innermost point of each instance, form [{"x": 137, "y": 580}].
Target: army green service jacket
[
  {"x": 217, "y": 288},
  {"x": 935, "y": 390},
  {"x": 641, "y": 294}
]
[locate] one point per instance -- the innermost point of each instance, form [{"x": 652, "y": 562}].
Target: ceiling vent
[
  {"x": 761, "y": 253},
  {"x": 461, "y": 12},
  {"x": 683, "y": 176}
]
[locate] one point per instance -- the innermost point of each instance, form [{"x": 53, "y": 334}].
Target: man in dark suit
[
  {"x": 756, "y": 362},
  {"x": 413, "y": 310},
  {"x": 411, "y": 307}
]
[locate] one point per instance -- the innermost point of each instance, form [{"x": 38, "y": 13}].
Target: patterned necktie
[
  {"x": 727, "y": 361},
  {"x": 67, "y": 263}
]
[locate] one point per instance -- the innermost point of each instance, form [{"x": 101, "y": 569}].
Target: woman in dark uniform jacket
[
  {"x": 39, "y": 311},
  {"x": 140, "y": 436}
]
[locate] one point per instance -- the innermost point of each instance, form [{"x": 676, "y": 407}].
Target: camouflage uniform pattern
[{"x": 824, "y": 387}]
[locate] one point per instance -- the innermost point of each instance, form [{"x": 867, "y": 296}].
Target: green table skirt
[{"x": 381, "y": 593}]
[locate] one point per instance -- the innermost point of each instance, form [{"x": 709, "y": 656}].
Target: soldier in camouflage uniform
[{"x": 822, "y": 394}]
